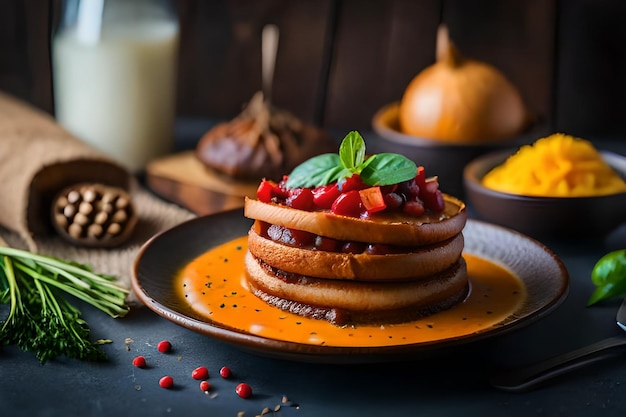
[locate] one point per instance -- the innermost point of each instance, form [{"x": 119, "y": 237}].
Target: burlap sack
[{"x": 38, "y": 159}]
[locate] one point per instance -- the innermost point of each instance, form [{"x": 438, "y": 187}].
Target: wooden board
[{"x": 181, "y": 178}]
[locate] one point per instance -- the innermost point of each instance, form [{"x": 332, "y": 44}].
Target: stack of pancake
[{"x": 405, "y": 267}]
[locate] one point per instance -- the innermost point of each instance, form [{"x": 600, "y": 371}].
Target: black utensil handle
[{"x": 528, "y": 377}]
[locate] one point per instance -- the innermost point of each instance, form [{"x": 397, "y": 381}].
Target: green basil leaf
[
  {"x": 609, "y": 275},
  {"x": 380, "y": 169},
  {"x": 365, "y": 164},
  {"x": 319, "y": 170},
  {"x": 352, "y": 150},
  {"x": 388, "y": 168},
  {"x": 607, "y": 291},
  {"x": 609, "y": 268}
]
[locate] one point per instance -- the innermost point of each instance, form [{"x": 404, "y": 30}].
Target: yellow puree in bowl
[
  {"x": 214, "y": 286},
  {"x": 556, "y": 166}
]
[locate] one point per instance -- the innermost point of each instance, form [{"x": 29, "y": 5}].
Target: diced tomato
[
  {"x": 265, "y": 191},
  {"x": 352, "y": 183},
  {"x": 300, "y": 198},
  {"x": 420, "y": 178},
  {"x": 348, "y": 204},
  {"x": 269, "y": 190},
  {"x": 325, "y": 195},
  {"x": 372, "y": 199}
]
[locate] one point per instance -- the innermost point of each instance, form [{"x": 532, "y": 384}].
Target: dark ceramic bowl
[
  {"x": 545, "y": 217},
  {"x": 445, "y": 160}
]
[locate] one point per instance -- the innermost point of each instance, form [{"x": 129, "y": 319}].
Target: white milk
[{"x": 118, "y": 94}]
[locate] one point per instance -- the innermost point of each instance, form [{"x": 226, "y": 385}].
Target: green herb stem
[
  {"x": 40, "y": 319},
  {"x": 14, "y": 294}
]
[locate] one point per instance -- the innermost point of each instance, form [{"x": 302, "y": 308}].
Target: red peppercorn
[
  {"x": 225, "y": 372},
  {"x": 205, "y": 386},
  {"x": 164, "y": 346},
  {"x": 139, "y": 362},
  {"x": 166, "y": 382},
  {"x": 244, "y": 390},
  {"x": 200, "y": 373}
]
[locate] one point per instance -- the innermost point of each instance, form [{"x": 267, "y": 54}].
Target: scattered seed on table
[
  {"x": 139, "y": 362},
  {"x": 200, "y": 373},
  {"x": 164, "y": 346},
  {"x": 166, "y": 382},
  {"x": 288, "y": 403},
  {"x": 128, "y": 342},
  {"x": 244, "y": 390},
  {"x": 225, "y": 372}
]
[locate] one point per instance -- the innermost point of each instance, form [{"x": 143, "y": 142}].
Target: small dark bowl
[
  {"x": 445, "y": 160},
  {"x": 545, "y": 217}
]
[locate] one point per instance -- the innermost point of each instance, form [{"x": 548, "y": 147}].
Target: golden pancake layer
[{"x": 388, "y": 268}]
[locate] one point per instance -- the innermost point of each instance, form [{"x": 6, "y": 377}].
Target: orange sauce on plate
[{"x": 214, "y": 285}]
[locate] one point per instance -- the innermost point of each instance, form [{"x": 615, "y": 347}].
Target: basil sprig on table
[
  {"x": 379, "y": 169},
  {"x": 609, "y": 276}
]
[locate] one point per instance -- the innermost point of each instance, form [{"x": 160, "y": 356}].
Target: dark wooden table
[{"x": 455, "y": 383}]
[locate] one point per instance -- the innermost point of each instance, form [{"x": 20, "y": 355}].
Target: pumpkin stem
[{"x": 446, "y": 50}]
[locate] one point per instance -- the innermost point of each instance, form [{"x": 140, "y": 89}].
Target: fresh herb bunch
[
  {"x": 609, "y": 276},
  {"x": 378, "y": 169},
  {"x": 40, "y": 319}
]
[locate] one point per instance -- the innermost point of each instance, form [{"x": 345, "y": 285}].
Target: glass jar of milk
[{"x": 114, "y": 76}]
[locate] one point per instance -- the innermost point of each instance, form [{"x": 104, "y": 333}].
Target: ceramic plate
[{"x": 160, "y": 260}]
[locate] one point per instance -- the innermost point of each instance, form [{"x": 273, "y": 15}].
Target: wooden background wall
[{"x": 341, "y": 60}]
